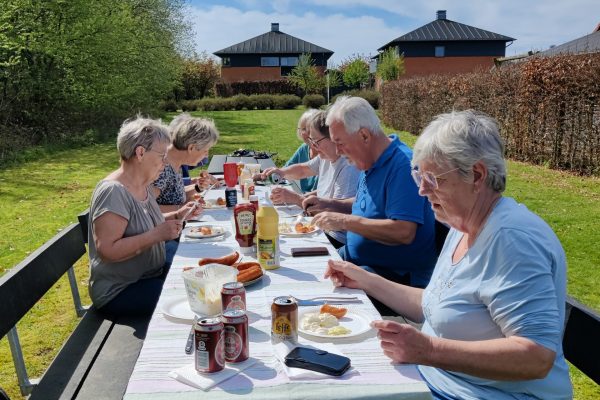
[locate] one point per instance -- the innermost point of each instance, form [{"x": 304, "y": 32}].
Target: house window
[
  {"x": 440, "y": 51},
  {"x": 226, "y": 61},
  {"x": 289, "y": 61},
  {"x": 269, "y": 61}
]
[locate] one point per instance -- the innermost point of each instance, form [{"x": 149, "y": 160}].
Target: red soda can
[
  {"x": 210, "y": 345},
  {"x": 233, "y": 296},
  {"x": 236, "y": 336}
]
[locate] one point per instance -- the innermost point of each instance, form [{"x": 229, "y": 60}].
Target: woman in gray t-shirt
[{"x": 127, "y": 231}]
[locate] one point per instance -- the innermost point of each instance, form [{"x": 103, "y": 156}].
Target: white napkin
[
  {"x": 190, "y": 376},
  {"x": 282, "y": 349}
]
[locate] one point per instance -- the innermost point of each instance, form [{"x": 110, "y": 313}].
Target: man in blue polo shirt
[{"x": 390, "y": 227}]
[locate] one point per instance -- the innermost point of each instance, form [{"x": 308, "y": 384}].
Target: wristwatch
[{"x": 197, "y": 188}]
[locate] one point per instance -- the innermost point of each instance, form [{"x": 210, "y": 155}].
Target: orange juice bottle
[{"x": 267, "y": 236}]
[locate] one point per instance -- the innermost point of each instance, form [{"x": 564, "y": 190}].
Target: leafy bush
[
  {"x": 282, "y": 86},
  {"x": 286, "y": 102},
  {"x": 372, "y": 96},
  {"x": 168, "y": 105},
  {"x": 188, "y": 105},
  {"x": 547, "y": 108},
  {"x": 262, "y": 101},
  {"x": 313, "y": 101},
  {"x": 240, "y": 102}
]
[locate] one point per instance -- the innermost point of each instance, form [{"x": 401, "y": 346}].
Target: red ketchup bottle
[{"x": 244, "y": 216}]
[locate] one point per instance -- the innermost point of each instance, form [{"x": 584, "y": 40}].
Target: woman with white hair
[
  {"x": 304, "y": 152},
  {"x": 127, "y": 231},
  {"x": 191, "y": 139},
  {"x": 494, "y": 309}
]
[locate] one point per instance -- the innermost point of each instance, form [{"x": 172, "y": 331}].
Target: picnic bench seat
[{"x": 98, "y": 358}]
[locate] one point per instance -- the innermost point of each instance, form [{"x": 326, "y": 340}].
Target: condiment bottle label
[
  {"x": 245, "y": 222},
  {"x": 267, "y": 253}
]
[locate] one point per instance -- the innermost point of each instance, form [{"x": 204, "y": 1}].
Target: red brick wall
[
  {"x": 238, "y": 74},
  {"x": 445, "y": 65}
]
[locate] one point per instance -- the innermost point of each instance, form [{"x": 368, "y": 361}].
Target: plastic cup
[
  {"x": 230, "y": 174},
  {"x": 203, "y": 287}
]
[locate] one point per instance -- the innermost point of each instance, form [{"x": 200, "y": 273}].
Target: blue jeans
[{"x": 140, "y": 298}]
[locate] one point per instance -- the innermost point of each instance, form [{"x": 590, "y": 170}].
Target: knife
[
  {"x": 321, "y": 302},
  {"x": 189, "y": 345}
]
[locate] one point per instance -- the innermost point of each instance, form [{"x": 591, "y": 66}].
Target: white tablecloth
[{"x": 163, "y": 349}]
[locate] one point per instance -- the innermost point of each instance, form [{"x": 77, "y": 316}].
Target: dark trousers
[
  {"x": 334, "y": 242},
  {"x": 140, "y": 298}
]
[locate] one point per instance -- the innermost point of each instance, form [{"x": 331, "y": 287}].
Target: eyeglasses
[
  {"x": 162, "y": 155},
  {"x": 315, "y": 143},
  {"x": 428, "y": 177}
]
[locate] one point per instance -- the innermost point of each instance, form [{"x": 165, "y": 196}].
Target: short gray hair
[
  {"x": 459, "y": 139},
  {"x": 355, "y": 113},
  {"x": 304, "y": 119},
  {"x": 140, "y": 131},
  {"x": 187, "y": 130},
  {"x": 317, "y": 122}
]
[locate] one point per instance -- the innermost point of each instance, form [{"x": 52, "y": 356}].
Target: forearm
[
  {"x": 127, "y": 247},
  {"x": 343, "y": 206},
  {"x": 297, "y": 171},
  {"x": 386, "y": 231},
  {"x": 169, "y": 211},
  {"x": 512, "y": 358},
  {"x": 405, "y": 300}
]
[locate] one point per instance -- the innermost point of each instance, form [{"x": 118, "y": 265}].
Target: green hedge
[
  {"x": 372, "y": 96},
  {"x": 240, "y": 102},
  {"x": 313, "y": 101}
]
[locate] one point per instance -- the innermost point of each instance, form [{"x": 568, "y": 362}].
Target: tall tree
[
  {"x": 306, "y": 75},
  {"x": 199, "y": 75},
  {"x": 390, "y": 65},
  {"x": 355, "y": 71}
]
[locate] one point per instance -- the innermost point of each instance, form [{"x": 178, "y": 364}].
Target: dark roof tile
[
  {"x": 273, "y": 42},
  {"x": 447, "y": 30}
]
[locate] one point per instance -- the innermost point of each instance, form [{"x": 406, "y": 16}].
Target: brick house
[
  {"x": 267, "y": 57},
  {"x": 448, "y": 47}
]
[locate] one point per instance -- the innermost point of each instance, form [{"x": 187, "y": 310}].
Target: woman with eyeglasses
[
  {"x": 127, "y": 231},
  {"x": 304, "y": 152},
  {"x": 191, "y": 139},
  {"x": 338, "y": 178},
  {"x": 494, "y": 309}
]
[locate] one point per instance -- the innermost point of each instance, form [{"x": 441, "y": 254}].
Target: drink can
[
  {"x": 236, "y": 336},
  {"x": 230, "y": 197},
  {"x": 284, "y": 320},
  {"x": 233, "y": 296},
  {"x": 275, "y": 178},
  {"x": 210, "y": 345}
]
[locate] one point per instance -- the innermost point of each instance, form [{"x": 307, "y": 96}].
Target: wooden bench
[{"x": 98, "y": 358}]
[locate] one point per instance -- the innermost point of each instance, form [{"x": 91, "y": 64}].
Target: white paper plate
[
  {"x": 286, "y": 228},
  {"x": 355, "y": 320},
  {"x": 193, "y": 232},
  {"x": 212, "y": 204},
  {"x": 178, "y": 308}
]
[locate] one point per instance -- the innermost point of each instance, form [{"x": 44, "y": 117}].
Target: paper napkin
[{"x": 188, "y": 374}]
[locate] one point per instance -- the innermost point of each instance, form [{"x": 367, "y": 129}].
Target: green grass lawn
[{"x": 45, "y": 194}]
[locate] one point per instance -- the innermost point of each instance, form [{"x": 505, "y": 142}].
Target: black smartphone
[
  {"x": 317, "y": 360},
  {"x": 309, "y": 251}
]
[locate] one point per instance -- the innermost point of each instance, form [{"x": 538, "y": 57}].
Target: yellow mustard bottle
[{"x": 267, "y": 236}]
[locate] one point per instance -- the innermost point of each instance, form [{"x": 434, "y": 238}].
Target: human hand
[
  {"x": 281, "y": 195},
  {"x": 191, "y": 205},
  {"x": 330, "y": 221},
  {"x": 170, "y": 229},
  {"x": 343, "y": 273},
  {"x": 403, "y": 343},
  {"x": 313, "y": 204},
  {"x": 270, "y": 171},
  {"x": 205, "y": 180}
]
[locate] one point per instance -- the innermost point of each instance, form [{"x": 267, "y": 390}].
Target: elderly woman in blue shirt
[
  {"x": 304, "y": 153},
  {"x": 493, "y": 311}
]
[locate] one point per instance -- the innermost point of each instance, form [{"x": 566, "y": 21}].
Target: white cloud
[{"x": 362, "y": 26}]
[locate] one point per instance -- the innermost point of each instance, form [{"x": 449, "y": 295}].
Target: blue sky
[{"x": 361, "y": 26}]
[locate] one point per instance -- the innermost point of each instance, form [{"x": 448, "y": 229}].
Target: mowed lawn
[{"x": 41, "y": 196}]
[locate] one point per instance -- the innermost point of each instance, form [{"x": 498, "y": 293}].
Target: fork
[
  {"x": 320, "y": 300},
  {"x": 189, "y": 345}
]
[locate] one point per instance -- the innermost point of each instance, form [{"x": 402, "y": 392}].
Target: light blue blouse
[{"x": 512, "y": 281}]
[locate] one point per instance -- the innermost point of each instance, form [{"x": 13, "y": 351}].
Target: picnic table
[{"x": 373, "y": 375}]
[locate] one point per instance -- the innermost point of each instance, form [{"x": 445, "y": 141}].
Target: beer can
[
  {"x": 284, "y": 320},
  {"x": 275, "y": 178},
  {"x": 236, "y": 336},
  {"x": 209, "y": 344},
  {"x": 230, "y": 197},
  {"x": 233, "y": 296}
]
